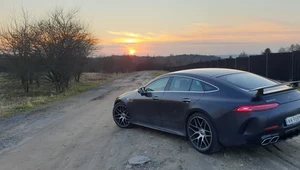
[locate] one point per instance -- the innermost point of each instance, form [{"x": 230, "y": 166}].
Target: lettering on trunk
[{"x": 271, "y": 100}]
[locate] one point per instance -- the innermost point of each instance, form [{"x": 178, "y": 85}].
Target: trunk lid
[{"x": 282, "y": 97}]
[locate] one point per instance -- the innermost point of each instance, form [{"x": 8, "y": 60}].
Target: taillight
[{"x": 253, "y": 108}]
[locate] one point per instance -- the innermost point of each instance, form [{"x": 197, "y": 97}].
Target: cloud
[
  {"x": 196, "y": 43},
  {"x": 129, "y": 34},
  {"x": 130, "y": 37},
  {"x": 250, "y": 30},
  {"x": 236, "y": 35}
]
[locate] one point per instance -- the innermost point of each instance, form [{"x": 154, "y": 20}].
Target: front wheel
[
  {"x": 202, "y": 134},
  {"x": 121, "y": 115}
]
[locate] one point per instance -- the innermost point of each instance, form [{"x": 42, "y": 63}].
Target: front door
[{"x": 147, "y": 106}]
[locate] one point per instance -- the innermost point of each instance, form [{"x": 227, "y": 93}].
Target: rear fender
[{"x": 196, "y": 110}]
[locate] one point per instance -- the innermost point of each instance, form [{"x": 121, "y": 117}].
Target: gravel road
[{"x": 79, "y": 133}]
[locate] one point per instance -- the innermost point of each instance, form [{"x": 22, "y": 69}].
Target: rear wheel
[
  {"x": 121, "y": 115},
  {"x": 202, "y": 134}
]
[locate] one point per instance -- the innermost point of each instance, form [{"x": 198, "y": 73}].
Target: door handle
[
  {"x": 186, "y": 100},
  {"x": 155, "y": 98}
]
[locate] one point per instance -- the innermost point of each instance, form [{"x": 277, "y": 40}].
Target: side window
[
  {"x": 208, "y": 87},
  {"x": 180, "y": 84},
  {"x": 158, "y": 85},
  {"x": 196, "y": 86}
]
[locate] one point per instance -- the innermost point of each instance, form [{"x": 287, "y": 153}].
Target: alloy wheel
[
  {"x": 200, "y": 133},
  {"x": 121, "y": 116}
]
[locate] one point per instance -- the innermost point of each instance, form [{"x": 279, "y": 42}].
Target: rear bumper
[
  {"x": 250, "y": 128},
  {"x": 266, "y": 137}
]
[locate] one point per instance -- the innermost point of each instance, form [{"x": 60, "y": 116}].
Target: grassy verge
[{"x": 14, "y": 100}]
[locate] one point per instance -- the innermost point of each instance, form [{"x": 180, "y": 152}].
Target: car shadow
[
  {"x": 160, "y": 133},
  {"x": 283, "y": 147},
  {"x": 283, "y": 155}
]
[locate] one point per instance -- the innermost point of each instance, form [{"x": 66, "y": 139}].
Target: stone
[
  {"x": 138, "y": 160},
  {"x": 128, "y": 166}
]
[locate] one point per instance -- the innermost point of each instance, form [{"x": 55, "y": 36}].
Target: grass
[
  {"x": 159, "y": 72},
  {"x": 14, "y": 99}
]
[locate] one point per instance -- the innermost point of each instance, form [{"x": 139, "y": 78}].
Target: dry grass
[
  {"x": 159, "y": 72},
  {"x": 14, "y": 99}
]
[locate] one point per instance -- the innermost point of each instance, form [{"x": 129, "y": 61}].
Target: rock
[
  {"x": 138, "y": 160},
  {"x": 128, "y": 166}
]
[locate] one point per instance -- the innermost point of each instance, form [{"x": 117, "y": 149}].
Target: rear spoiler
[{"x": 260, "y": 90}]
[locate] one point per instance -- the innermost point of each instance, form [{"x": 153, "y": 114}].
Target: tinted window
[
  {"x": 180, "y": 84},
  {"x": 196, "y": 86},
  {"x": 247, "y": 80},
  {"x": 158, "y": 85},
  {"x": 208, "y": 87}
]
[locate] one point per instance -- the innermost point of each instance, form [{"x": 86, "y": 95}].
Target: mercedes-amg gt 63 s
[{"x": 214, "y": 108}]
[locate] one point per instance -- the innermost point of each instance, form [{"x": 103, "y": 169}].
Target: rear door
[
  {"x": 179, "y": 98},
  {"x": 146, "y": 106}
]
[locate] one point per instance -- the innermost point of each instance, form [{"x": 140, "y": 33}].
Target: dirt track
[{"x": 79, "y": 133}]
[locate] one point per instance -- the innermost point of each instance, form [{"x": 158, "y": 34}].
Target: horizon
[
  {"x": 171, "y": 55},
  {"x": 161, "y": 28}
]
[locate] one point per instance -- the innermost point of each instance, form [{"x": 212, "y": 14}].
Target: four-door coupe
[{"x": 214, "y": 108}]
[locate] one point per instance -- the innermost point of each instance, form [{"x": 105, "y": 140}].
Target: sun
[{"x": 132, "y": 51}]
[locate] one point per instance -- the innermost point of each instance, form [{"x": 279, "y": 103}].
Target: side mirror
[{"x": 142, "y": 90}]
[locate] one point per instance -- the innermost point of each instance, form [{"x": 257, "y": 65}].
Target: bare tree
[
  {"x": 243, "y": 54},
  {"x": 85, "y": 46},
  {"x": 282, "y": 50},
  {"x": 267, "y": 51},
  {"x": 64, "y": 43},
  {"x": 292, "y": 48},
  {"x": 16, "y": 41}
]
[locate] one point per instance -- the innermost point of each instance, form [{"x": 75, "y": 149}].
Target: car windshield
[{"x": 247, "y": 80}]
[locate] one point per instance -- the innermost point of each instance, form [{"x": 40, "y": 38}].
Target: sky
[{"x": 164, "y": 27}]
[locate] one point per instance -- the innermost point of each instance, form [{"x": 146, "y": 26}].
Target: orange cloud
[
  {"x": 129, "y": 37},
  {"x": 238, "y": 33},
  {"x": 248, "y": 31}
]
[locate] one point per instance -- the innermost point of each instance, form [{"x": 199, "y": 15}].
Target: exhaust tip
[
  {"x": 270, "y": 140},
  {"x": 274, "y": 139},
  {"x": 266, "y": 141}
]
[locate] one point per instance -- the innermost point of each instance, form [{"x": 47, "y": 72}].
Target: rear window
[
  {"x": 247, "y": 81},
  {"x": 208, "y": 87},
  {"x": 196, "y": 86}
]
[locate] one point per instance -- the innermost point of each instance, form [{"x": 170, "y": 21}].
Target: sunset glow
[{"x": 197, "y": 27}]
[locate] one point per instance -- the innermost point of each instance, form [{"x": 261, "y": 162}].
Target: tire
[
  {"x": 121, "y": 115},
  {"x": 202, "y": 135}
]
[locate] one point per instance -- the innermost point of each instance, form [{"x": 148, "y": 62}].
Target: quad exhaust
[
  {"x": 274, "y": 139},
  {"x": 270, "y": 140}
]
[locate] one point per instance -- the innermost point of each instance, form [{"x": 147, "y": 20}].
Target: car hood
[{"x": 129, "y": 94}]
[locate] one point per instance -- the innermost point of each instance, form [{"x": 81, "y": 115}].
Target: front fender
[{"x": 126, "y": 98}]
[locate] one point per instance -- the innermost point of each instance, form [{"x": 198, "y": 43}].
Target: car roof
[{"x": 206, "y": 72}]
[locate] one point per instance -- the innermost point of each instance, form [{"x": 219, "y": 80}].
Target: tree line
[
  {"x": 128, "y": 63},
  {"x": 291, "y": 48},
  {"x": 54, "y": 48}
]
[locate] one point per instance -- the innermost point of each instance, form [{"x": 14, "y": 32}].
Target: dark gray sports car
[{"x": 214, "y": 108}]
